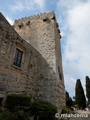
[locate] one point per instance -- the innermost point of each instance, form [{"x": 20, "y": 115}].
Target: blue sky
[{"x": 73, "y": 17}]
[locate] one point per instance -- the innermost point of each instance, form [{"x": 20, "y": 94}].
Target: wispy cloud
[
  {"x": 75, "y": 23},
  {"x": 18, "y": 6},
  {"x": 9, "y": 20},
  {"x": 24, "y": 5},
  {"x": 40, "y": 3}
]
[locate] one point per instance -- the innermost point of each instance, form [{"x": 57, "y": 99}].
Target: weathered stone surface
[{"x": 40, "y": 74}]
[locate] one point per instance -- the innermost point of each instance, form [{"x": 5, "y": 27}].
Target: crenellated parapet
[
  {"x": 43, "y": 16},
  {"x": 26, "y": 21}
]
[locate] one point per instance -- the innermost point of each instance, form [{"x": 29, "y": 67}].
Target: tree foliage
[
  {"x": 69, "y": 101},
  {"x": 44, "y": 110},
  {"x": 15, "y": 100},
  {"x": 20, "y": 107},
  {"x": 88, "y": 88},
  {"x": 79, "y": 95}
]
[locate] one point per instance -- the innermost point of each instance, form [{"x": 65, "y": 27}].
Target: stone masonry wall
[
  {"x": 12, "y": 78},
  {"x": 41, "y": 31},
  {"x": 59, "y": 69},
  {"x": 40, "y": 74},
  {"x": 34, "y": 77}
]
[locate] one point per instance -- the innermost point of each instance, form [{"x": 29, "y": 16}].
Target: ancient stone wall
[
  {"x": 40, "y": 74},
  {"x": 59, "y": 69},
  {"x": 15, "y": 79},
  {"x": 42, "y": 32}
]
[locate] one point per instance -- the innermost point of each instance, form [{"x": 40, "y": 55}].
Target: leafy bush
[
  {"x": 18, "y": 115},
  {"x": 43, "y": 110},
  {"x": 1, "y": 101},
  {"x": 18, "y": 104},
  {"x": 5, "y": 115},
  {"x": 65, "y": 110},
  {"x": 15, "y": 100}
]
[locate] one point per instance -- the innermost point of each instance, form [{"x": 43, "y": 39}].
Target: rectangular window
[{"x": 18, "y": 58}]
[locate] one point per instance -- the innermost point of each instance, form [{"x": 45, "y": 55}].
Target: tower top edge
[{"x": 37, "y": 16}]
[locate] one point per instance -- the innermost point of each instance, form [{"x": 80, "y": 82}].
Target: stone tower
[{"x": 41, "y": 31}]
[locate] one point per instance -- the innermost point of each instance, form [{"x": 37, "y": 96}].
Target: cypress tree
[
  {"x": 88, "y": 88},
  {"x": 79, "y": 95},
  {"x": 69, "y": 101}
]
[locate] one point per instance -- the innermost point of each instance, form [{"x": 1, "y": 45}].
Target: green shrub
[
  {"x": 43, "y": 110},
  {"x": 18, "y": 115},
  {"x": 17, "y": 100},
  {"x": 5, "y": 115},
  {"x": 18, "y": 104},
  {"x": 65, "y": 110},
  {"x": 1, "y": 99}
]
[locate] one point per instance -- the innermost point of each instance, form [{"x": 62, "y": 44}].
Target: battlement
[
  {"x": 43, "y": 16},
  {"x": 26, "y": 21}
]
